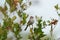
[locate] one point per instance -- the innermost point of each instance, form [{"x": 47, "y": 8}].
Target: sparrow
[{"x": 30, "y": 22}]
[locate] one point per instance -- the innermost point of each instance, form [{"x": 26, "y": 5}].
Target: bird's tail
[{"x": 26, "y": 28}]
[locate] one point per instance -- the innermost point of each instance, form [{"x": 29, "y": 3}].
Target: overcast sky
[{"x": 46, "y": 9}]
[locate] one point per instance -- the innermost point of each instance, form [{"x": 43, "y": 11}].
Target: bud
[{"x": 54, "y": 22}]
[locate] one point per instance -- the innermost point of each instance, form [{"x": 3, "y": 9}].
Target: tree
[{"x": 8, "y": 23}]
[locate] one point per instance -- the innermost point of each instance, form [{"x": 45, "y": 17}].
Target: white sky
[{"x": 46, "y": 9}]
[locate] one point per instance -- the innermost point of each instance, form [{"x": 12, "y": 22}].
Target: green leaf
[
  {"x": 13, "y": 8},
  {"x": 44, "y": 24},
  {"x": 56, "y": 7},
  {"x": 20, "y": 1},
  {"x": 19, "y": 14},
  {"x": 48, "y": 21},
  {"x": 5, "y": 7},
  {"x": 12, "y": 5},
  {"x": 1, "y": 8},
  {"x": 10, "y": 2},
  {"x": 30, "y": 3},
  {"x": 24, "y": 16},
  {"x": 35, "y": 30},
  {"x": 58, "y": 14},
  {"x": 24, "y": 6},
  {"x": 13, "y": 18}
]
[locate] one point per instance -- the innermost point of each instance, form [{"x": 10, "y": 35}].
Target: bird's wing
[{"x": 29, "y": 22}]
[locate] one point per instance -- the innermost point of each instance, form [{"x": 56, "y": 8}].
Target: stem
[
  {"x": 57, "y": 11},
  {"x": 51, "y": 32}
]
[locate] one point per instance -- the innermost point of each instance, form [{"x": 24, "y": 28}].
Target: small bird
[{"x": 30, "y": 22}]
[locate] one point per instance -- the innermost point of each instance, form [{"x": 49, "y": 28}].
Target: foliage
[
  {"x": 57, "y": 8},
  {"x": 38, "y": 33},
  {"x": 8, "y": 23},
  {"x": 3, "y": 33}
]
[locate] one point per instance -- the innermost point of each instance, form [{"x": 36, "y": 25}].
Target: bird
[{"x": 30, "y": 22}]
